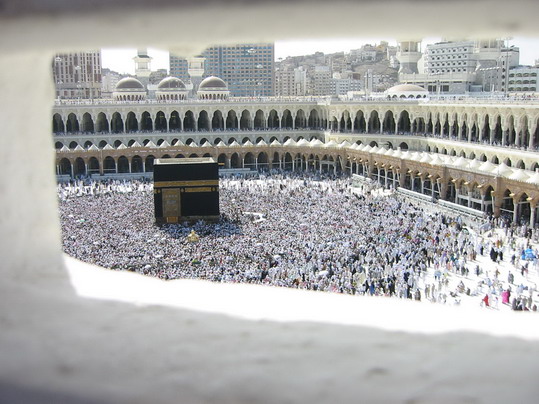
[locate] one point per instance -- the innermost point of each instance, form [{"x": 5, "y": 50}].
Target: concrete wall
[{"x": 74, "y": 334}]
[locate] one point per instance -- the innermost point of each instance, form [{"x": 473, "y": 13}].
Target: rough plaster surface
[{"x": 66, "y": 341}]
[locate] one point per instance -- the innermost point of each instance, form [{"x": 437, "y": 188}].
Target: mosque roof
[
  {"x": 171, "y": 83},
  {"x": 399, "y": 88},
  {"x": 129, "y": 83},
  {"x": 213, "y": 83}
]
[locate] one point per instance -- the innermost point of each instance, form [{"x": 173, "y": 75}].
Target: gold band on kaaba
[{"x": 198, "y": 183}]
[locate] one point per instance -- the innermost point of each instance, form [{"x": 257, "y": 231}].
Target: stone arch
[
  {"x": 360, "y": 125},
  {"x": 217, "y": 121},
  {"x": 231, "y": 120},
  {"x": 374, "y": 122},
  {"x": 403, "y": 125},
  {"x": 72, "y": 123},
  {"x": 131, "y": 123},
  {"x": 116, "y": 123},
  {"x": 102, "y": 123},
  {"x": 249, "y": 160},
  {"x": 507, "y": 205},
  {"x": 262, "y": 160},
  {"x": 273, "y": 119},
  {"x": 64, "y": 167},
  {"x": 189, "y": 124},
  {"x": 123, "y": 164},
  {"x": 235, "y": 161},
  {"x": 149, "y": 163},
  {"x": 203, "y": 121},
  {"x": 259, "y": 120},
  {"x": 300, "y": 121},
  {"x": 109, "y": 165},
  {"x": 79, "y": 168},
  {"x": 136, "y": 164},
  {"x": 146, "y": 122},
  {"x": 286, "y": 120},
  {"x": 275, "y": 162},
  {"x": 388, "y": 124},
  {"x": 314, "y": 120},
  {"x": 245, "y": 120},
  {"x": 160, "y": 123},
  {"x": 87, "y": 123},
  {"x": 175, "y": 122},
  {"x": 58, "y": 125}
]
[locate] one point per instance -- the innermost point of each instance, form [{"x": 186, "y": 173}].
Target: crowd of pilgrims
[{"x": 306, "y": 231}]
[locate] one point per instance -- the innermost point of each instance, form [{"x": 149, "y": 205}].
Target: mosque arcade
[{"x": 478, "y": 153}]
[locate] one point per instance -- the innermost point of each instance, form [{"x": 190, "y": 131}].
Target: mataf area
[{"x": 306, "y": 231}]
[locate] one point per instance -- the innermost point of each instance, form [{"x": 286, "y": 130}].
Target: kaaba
[{"x": 186, "y": 190}]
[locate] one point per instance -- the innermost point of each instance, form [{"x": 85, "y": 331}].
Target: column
[
  {"x": 396, "y": 125},
  {"x": 129, "y": 164},
  {"x": 515, "y": 210},
  {"x": 533, "y": 208},
  {"x": 480, "y": 129},
  {"x": 143, "y": 165},
  {"x": 518, "y": 135},
  {"x": 531, "y": 128},
  {"x": 381, "y": 126}
]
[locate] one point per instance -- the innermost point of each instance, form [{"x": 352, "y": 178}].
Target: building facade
[
  {"x": 249, "y": 69},
  {"x": 458, "y": 67},
  {"x": 477, "y": 155},
  {"x": 77, "y": 75},
  {"x": 523, "y": 79}
]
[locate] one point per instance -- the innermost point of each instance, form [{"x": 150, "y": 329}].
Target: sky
[{"x": 121, "y": 60}]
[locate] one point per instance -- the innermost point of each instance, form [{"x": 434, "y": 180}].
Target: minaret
[
  {"x": 408, "y": 54},
  {"x": 143, "y": 66},
  {"x": 195, "y": 68}
]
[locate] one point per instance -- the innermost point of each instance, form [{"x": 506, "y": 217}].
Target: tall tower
[
  {"x": 143, "y": 66},
  {"x": 408, "y": 54},
  {"x": 195, "y": 68},
  {"x": 78, "y": 75}
]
